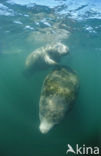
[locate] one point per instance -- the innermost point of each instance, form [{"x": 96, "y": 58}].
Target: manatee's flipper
[{"x": 48, "y": 60}]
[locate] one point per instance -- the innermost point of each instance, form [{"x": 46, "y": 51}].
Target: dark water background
[{"x": 19, "y": 96}]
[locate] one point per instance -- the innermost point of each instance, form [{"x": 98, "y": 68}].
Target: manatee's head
[
  {"x": 45, "y": 126},
  {"x": 52, "y": 111},
  {"x": 58, "y": 49},
  {"x": 61, "y": 49}
]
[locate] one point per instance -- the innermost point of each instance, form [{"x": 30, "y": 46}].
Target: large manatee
[
  {"x": 47, "y": 56},
  {"x": 58, "y": 93}
]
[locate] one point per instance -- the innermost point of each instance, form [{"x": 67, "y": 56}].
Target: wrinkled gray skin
[
  {"x": 46, "y": 57},
  {"x": 58, "y": 93}
]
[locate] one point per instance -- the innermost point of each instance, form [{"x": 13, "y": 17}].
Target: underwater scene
[{"x": 50, "y": 77}]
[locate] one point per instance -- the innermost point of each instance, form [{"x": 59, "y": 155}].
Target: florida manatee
[
  {"x": 47, "y": 56},
  {"x": 59, "y": 92}
]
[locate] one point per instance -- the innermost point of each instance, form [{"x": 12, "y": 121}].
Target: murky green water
[{"x": 19, "y": 95}]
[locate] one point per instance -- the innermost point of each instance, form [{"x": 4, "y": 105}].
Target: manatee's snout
[
  {"x": 63, "y": 49},
  {"x": 45, "y": 126}
]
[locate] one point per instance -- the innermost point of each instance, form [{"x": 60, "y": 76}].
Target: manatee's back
[{"x": 58, "y": 93}]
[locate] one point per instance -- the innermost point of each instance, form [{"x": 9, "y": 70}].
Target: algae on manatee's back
[{"x": 58, "y": 93}]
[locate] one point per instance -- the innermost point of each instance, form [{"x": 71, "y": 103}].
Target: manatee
[
  {"x": 59, "y": 92},
  {"x": 45, "y": 57}
]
